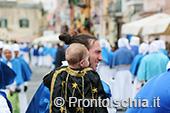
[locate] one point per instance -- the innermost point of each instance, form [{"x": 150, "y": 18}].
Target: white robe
[
  {"x": 3, "y": 105},
  {"x": 123, "y": 84}
]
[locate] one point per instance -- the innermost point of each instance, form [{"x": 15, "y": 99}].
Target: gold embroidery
[
  {"x": 52, "y": 86},
  {"x": 62, "y": 109},
  {"x": 79, "y": 109},
  {"x": 83, "y": 92},
  {"x": 94, "y": 90},
  {"x": 66, "y": 87},
  {"x": 74, "y": 85},
  {"x": 77, "y": 73},
  {"x": 62, "y": 89},
  {"x": 70, "y": 72}
]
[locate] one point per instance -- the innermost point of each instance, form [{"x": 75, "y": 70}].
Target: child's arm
[{"x": 48, "y": 78}]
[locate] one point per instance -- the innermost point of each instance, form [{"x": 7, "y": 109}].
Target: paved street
[{"x": 36, "y": 79}]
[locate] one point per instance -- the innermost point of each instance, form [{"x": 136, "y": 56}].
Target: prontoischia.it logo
[{"x": 59, "y": 102}]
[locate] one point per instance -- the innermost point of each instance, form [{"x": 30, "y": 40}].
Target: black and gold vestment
[{"x": 83, "y": 84}]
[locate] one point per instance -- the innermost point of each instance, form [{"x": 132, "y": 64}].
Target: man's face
[
  {"x": 95, "y": 55},
  {"x": 8, "y": 54}
]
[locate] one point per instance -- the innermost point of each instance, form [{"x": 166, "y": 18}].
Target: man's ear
[{"x": 81, "y": 63}]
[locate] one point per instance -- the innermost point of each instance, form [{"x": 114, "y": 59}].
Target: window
[
  {"x": 3, "y": 23},
  {"x": 24, "y": 23}
]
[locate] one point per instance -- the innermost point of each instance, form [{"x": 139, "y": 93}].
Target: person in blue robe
[
  {"x": 134, "y": 44},
  {"x": 7, "y": 75},
  {"x": 152, "y": 64},
  {"x": 26, "y": 71},
  {"x": 105, "y": 55},
  {"x": 16, "y": 87},
  {"x": 26, "y": 74},
  {"x": 143, "y": 50},
  {"x": 123, "y": 55},
  {"x": 105, "y": 46},
  {"x": 14, "y": 64},
  {"x": 34, "y": 55},
  {"x": 158, "y": 88},
  {"x": 122, "y": 59},
  {"x": 26, "y": 49},
  {"x": 40, "y": 101},
  {"x": 163, "y": 47}
]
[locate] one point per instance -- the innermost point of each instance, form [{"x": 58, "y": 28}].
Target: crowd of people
[
  {"x": 83, "y": 67},
  {"x": 15, "y": 74}
]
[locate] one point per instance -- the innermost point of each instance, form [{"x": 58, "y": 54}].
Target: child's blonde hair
[{"x": 75, "y": 53}]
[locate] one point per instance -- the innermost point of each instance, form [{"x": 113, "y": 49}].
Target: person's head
[
  {"x": 77, "y": 56},
  {"x": 90, "y": 42},
  {"x": 144, "y": 48},
  {"x": 154, "y": 47},
  {"x": 7, "y": 52},
  {"x": 123, "y": 42},
  {"x": 134, "y": 41},
  {"x": 16, "y": 49}
]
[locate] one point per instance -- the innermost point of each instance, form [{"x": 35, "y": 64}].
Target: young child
[{"x": 75, "y": 80}]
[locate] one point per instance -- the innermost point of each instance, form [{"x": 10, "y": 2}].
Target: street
[{"x": 36, "y": 79}]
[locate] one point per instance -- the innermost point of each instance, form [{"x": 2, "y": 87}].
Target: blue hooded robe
[
  {"x": 135, "y": 64},
  {"x": 26, "y": 71},
  {"x": 122, "y": 56},
  {"x": 151, "y": 65},
  {"x": 16, "y": 67},
  {"x": 7, "y": 75},
  {"x": 158, "y": 86},
  {"x": 135, "y": 49}
]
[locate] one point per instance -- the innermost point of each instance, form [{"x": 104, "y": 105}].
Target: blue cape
[
  {"x": 135, "y": 49},
  {"x": 26, "y": 49},
  {"x": 52, "y": 51},
  {"x": 158, "y": 86},
  {"x": 105, "y": 55},
  {"x": 26, "y": 71},
  {"x": 135, "y": 64},
  {"x": 106, "y": 89},
  {"x": 16, "y": 67},
  {"x": 35, "y": 52},
  {"x": 122, "y": 56},
  {"x": 7, "y": 75},
  {"x": 41, "y": 101},
  {"x": 164, "y": 52},
  {"x": 151, "y": 65}
]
